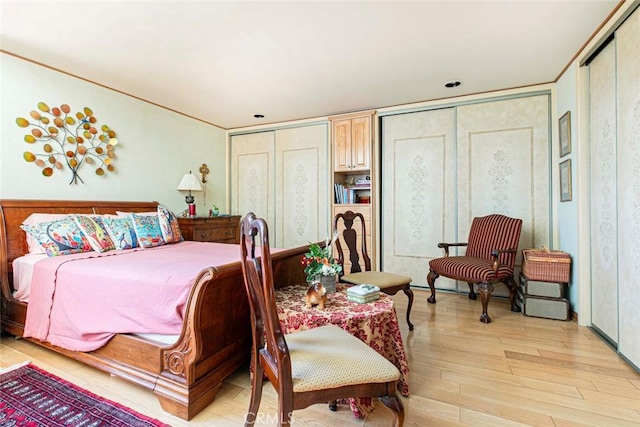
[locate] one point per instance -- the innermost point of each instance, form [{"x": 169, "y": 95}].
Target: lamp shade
[{"x": 189, "y": 182}]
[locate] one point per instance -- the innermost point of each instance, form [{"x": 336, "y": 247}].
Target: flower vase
[{"x": 329, "y": 283}]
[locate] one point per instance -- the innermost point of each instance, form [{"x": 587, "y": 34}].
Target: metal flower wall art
[{"x": 60, "y": 138}]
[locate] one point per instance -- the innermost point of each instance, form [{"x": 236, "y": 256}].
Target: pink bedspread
[{"x": 80, "y": 301}]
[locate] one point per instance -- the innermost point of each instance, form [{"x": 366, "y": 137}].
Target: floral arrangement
[{"x": 319, "y": 260}]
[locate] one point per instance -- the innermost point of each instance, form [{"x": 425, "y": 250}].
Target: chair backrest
[
  {"x": 257, "y": 271},
  {"x": 351, "y": 222},
  {"x": 493, "y": 232}
]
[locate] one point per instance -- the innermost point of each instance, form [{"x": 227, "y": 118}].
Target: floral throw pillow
[
  {"x": 121, "y": 232},
  {"x": 148, "y": 230},
  {"x": 59, "y": 237},
  {"x": 95, "y": 233},
  {"x": 169, "y": 225}
]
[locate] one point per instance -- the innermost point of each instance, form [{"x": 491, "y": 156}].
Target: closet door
[
  {"x": 503, "y": 166},
  {"x": 628, "y": 135},
  {"x": 419, "y": 187},
  {"x": 301, "y": 191},
  {"x": 252, "y": 175},
  {"x": 604, "y": 221}
]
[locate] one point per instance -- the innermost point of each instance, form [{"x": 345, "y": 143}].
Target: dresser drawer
[
  {"x": 221, "y": 229},
  {"x": 211, "y": 234}
]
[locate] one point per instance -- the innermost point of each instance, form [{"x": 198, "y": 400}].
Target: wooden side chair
[
  {"x": 490, "y": 257},
  {"x": 312, "y": 366},
  {"x": 388, "y": 283}
]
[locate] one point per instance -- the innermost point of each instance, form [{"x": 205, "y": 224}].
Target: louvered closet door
[
  {"x": 628, "y": 134},
  {"x": 301, "y": 194},
  {"x": 604, "y": 221},
  {"x": 418, "y": 190},
  {"x": 252, "y": 175},
  {"x": 503, "y": 166}
]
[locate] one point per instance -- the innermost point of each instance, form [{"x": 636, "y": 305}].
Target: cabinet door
[
  {"x": 252, "y": 175},
  {"x": 503, "y": 167},
  {"x": 361, "y": 143},
  {"x": 301, "y": 190},
  {"x": 341, "y": 145},
  {"x": 604, "y": 221},
  {"x": 628, "y": 135},
  {"x": 419, "y": 188},
  {"x": 440, "y": 172}
]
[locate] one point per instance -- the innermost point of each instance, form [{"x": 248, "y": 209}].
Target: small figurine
[{"x": 316, "y": 294}]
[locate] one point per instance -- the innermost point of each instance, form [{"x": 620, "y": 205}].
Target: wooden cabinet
[
  {"x": 352, "y": 144},
  {"x": 353, "y": 171},
  {"x": 219, "y": 229}
]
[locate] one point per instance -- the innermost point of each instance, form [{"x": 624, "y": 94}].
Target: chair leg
[
  {"x": 257, "y": 381},
  {"x": 285, "y": 412},
  {"x": 409, "y": 293},
  {"x": 431, "y": 279},
  {"x": 485, "y": 290},
  {"x": 472, "y": 293},
  {"x": 513, "y": 286},
  {"x": 393, "y": 403}
]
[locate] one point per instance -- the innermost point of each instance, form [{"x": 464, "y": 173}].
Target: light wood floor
[{"x": 515, "y": 371}]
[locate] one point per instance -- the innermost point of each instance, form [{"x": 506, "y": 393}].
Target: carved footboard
[{"x": 216, "y": 335}]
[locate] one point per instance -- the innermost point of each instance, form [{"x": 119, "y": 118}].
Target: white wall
[
  {"x": 566, "y": 235},
  {"x": 156, "y": 146}
]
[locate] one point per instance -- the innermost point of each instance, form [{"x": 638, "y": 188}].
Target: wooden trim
[
  {"x": 110, "y": 88},
  {"x": 352, "y": 115}
]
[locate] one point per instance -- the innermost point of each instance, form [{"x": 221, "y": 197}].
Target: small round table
[{"x": 375, "y": 323}]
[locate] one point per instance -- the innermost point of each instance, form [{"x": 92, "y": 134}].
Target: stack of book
[{"x": 349, "y": 194}]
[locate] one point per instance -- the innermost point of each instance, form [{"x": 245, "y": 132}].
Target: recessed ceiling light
[
  {"x": 453, "y": 83},
  {"x": 259, "y": 116}
]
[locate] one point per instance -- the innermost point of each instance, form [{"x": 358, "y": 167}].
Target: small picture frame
[
  {"x": 564, "y": 126},
  {"x": 565, "y": 181}
]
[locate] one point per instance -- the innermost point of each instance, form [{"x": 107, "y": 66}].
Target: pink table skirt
[{"x": 375, "y": 323}]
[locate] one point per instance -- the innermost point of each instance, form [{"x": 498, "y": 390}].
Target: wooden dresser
[{"x": 220, "y": 229}]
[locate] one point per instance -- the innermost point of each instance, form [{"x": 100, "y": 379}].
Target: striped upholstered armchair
[{"x": 489, "y": 259}]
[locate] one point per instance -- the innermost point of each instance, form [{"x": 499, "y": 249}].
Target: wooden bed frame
[{"x": 216, "y": 333}]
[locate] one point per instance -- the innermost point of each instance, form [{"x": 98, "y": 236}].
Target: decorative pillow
[
  {"x": 36, "y": 218},
  {"x": 95, "y": 232},
  {"x": 169, "y": 225},
  {"x": 59, "y": 237},
  {"x": 148, "y": 230},
  {"x": 121, "y": 232}
]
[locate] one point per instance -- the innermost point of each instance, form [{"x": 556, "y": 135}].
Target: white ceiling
[{"x": 223, "y": 62}]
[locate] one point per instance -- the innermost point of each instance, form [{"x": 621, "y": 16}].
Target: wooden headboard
[{"x": 13, "y": 241}]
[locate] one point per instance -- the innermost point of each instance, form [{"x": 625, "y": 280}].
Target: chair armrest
[
  {"x": 496, "y": 252},
  {"x": 446, "y": 246}
]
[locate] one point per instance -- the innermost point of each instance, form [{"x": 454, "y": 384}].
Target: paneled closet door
[
  {"x": 604, "y": 221},
  {"x": 419, "y": 190},
  {"x": 301, "y": 194},
  {"x": 252, "y": 175},
  {"x": 503, "y": 166},
  {"x": 628, "y": 134}
]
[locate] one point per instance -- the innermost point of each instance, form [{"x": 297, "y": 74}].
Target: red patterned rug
[{"x": 31, "y": 397}]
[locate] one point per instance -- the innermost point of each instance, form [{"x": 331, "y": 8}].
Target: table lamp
[{"x": 190, "y": 183}]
